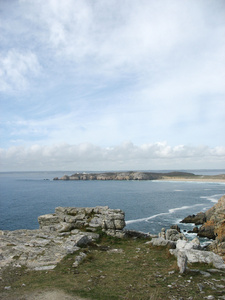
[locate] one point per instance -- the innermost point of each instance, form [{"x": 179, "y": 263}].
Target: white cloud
[
  {"x": 126, "y": 156},
  {"x": 17, "y": 69},
  {"x": 114, "y": 34},
  {"x": 107, "y": 71}
]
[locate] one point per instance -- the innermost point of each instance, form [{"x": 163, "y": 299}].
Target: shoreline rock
[
  {"x": 213, "y": 226},
  {"x": 198, "y": 219}
]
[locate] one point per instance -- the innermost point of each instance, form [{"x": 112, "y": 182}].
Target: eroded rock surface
[
  {"x": 60, "y": 233},
  {"x": 66, "y": 219}
]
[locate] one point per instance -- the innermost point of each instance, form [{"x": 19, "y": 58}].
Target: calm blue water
[{"x": 148, "y": 205}]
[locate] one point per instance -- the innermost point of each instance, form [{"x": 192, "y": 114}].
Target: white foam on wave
[
  {"x": 178, "y": 190},
  {"x": 212, "y": 198},
  {"x": 171, "y": 211}
]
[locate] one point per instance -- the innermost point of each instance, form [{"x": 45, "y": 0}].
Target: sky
[{"x": 112, "y": 85}]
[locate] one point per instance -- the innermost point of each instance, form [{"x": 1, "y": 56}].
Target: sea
[{"x": 149, "y": 206}]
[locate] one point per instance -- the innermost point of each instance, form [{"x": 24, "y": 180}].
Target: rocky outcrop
[
  {"x": 38, "y": 249},
  {"x": 66, "y": 219},
  {"x": 186, "y": 251},
  {"x": 61, "y": 233},
  {"x": 198, "y": 219},
  {"x": 213, "y": 226},
  {"x": 168, "y": 238},
  {"x": 171, "y": 234},
  {"x": 193, "y": 252}
]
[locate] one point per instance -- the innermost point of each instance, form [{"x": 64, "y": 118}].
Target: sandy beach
[{"x": 214, "y": 180}]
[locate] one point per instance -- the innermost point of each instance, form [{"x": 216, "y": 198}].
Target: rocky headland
[
  {"x": 70, "y": 228},
  {"x": 212, "y": 225},
  {"x": 72, "y": 233},
  {"x": 133, "y": 175}
]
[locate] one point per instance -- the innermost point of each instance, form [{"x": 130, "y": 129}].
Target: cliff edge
[{"x": 213, "y": 226}]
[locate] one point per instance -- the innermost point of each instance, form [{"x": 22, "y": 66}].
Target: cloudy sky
[{"x": 112, "y": 85}]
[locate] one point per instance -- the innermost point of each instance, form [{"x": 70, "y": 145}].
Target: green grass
[{"x": 137, "y": 271}]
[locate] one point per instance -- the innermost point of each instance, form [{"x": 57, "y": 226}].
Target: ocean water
[{"x": 148, "y": 205}]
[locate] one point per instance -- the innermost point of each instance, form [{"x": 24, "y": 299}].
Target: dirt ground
[{"x": 41, "y": 295}]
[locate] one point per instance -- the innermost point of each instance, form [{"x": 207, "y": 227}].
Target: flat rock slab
[{"x": 39, "y": 250}]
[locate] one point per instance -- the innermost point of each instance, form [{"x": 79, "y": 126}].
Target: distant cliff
[{"x": 130, "y": 175}]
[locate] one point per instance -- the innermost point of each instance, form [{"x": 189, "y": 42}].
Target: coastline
[
  {"x": 135, "y": 175},
  {"x": 213, "y": 180}
]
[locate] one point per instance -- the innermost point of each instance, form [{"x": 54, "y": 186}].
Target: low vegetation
[{"x": 118, "y": 269}]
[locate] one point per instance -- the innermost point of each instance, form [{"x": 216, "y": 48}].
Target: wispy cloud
[{"x": 17, "y": 69}]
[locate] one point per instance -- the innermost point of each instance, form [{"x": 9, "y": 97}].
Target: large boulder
[
  {"x": 194, "y": 256},
  {"x": 163, "y": 242}
]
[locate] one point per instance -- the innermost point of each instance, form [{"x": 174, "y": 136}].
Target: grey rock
[
  {"x": 82, "y": 240},
  {"x": 205, "y": 274},
  {"x": 48, "y": 219},
  {"x": 162, "y": 234},
  {"x": 79, "y": 259},
  {"x": 200, "y": 286},
  {"x": 45, "y": 268},
  {"x": 208, "y": 257},
  {"x": 59, "y": 234},
  {"x": 198, "y": 219},
  {"x": 185, "y": 245},
  {"x": 162, "y": 242},
  {"x": 176, "y": 227},
  {"x": 182, "y": 261},
  {"x": 174, "y": 235}
]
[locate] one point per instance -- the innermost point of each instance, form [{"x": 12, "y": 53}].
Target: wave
[
  {"x": 170, "y": 211},
  {"x": 212, "y": 198}
]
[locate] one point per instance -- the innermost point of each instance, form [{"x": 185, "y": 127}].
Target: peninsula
[{"x": 135, "y": 175}]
